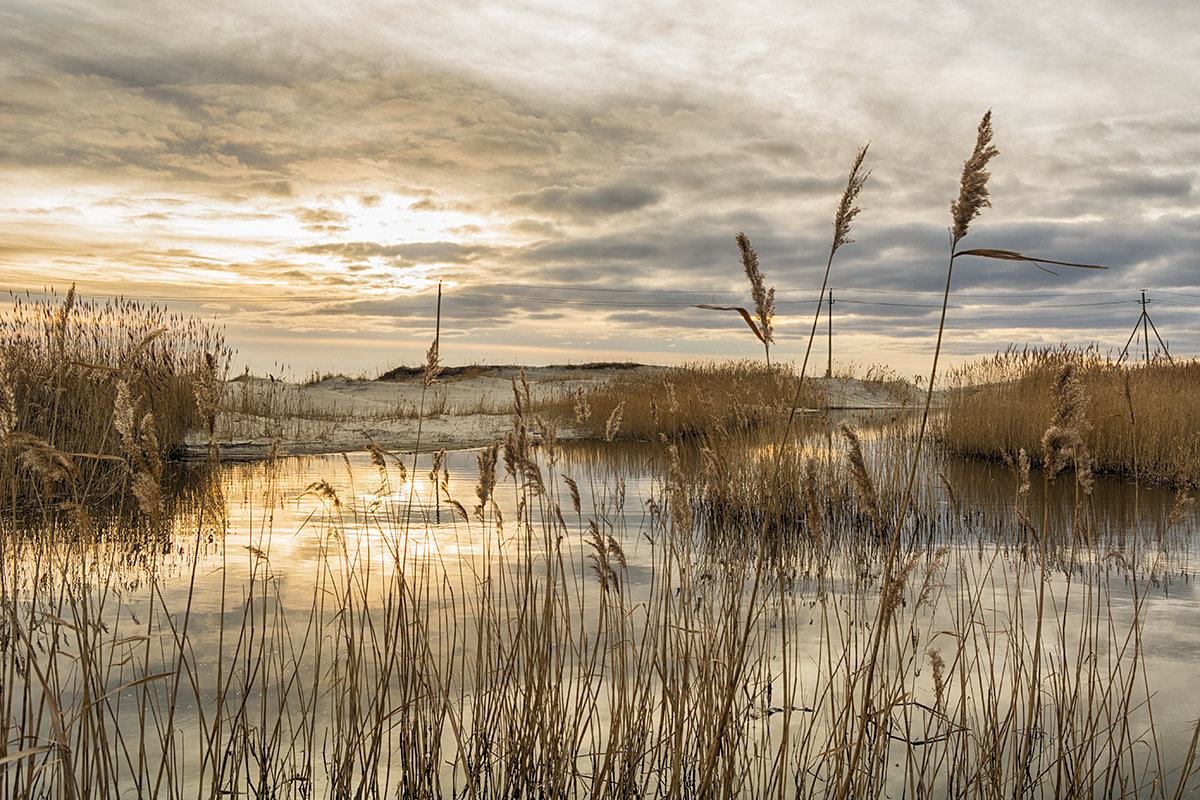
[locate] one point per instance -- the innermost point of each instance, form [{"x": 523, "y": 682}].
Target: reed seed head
[
  {"x": 613, "y": 427},
  {"x": 61, "y": 316},
  {"x": 847, "y": 211},
  {"x": 146, "y": 490},
  {"x": 895, "y": 592},
  {"x": 939, "y": 676},
  {"x": 1182, "y": 509},
  {"x": 573, "y": 488},
  {"x": 583, "y": 412},
  {"x": 677, "y": 494},
  {"x": 433, "y": 365},
  {"x": 972, "y": 190},
  {"x": 439, "y": 458},
  {"x": 487, "y": 476},
  {"x": 323, "y": 491},
  {"x": 1063, "y": 440},
  {"x": 123, "y": 414},
  {"x": 378, "y": 459},
  {"x": 764, "y": 299},
  {"x": 813, "y": 518},
  {"x": 858, "y": 469},
  {"x": 44, "y": 460},
  {"x": 8, "y": 403}
]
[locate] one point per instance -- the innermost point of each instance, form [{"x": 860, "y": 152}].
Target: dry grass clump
[
  {"x": 87, "y": 386},
  {"x": 833, "y": 492},
  {"x": 1143, "y": 420},
  {"x": 689, "y": 400}
]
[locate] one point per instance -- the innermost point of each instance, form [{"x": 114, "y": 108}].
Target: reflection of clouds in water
[
  {"x": 452, "y": 560},
  {"x": 293, "y": 557}
]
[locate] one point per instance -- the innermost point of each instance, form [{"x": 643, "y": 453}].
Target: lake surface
[{"x": 339, "y": 607}]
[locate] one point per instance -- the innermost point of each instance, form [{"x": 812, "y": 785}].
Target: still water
[{"x": 239, "y": 642}]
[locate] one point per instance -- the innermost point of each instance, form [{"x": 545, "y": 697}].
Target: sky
[{"x": 303, "y": 174}]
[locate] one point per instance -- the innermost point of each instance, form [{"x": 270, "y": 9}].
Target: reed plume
[
  {"x": 862, "y": 477},
  {"x": 487, "y": 477},
  {"x": 433, "y": 365},
  {"x": 1063, "y": 440},
  {"x": 583, "y": 411},
  {"x": 764, "y": 298},
  {"x": 613, "y": 426},
  {"x": 847, "y": 210},
  {"x": 973, "y": 190}
]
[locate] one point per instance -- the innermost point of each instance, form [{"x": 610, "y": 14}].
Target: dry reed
[{"x": 1141, "y": 417}]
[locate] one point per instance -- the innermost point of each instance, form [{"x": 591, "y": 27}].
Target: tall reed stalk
[{"x": 841, "y": 230}]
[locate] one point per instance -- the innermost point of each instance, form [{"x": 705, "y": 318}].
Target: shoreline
[{"x": 466, "y": 408}]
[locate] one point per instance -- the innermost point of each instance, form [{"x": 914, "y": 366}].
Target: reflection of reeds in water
[{"x": 567, "y": 656}]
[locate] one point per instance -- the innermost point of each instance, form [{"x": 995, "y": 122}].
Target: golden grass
[
  {"x": 689, "y": 400},
  {"x": 1143, "y": 420},
  {"x": 65, "y": 364}
]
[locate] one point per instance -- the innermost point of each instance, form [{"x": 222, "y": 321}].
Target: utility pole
[
  {"x": 829, "y": 364},
  {"x": 1146, "y": 325},
  {"x": 437, "y": 331},
  {"x": 1145, "y": 319}
]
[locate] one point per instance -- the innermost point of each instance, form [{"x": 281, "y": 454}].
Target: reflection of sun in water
[{"x": 412, "y": 490}]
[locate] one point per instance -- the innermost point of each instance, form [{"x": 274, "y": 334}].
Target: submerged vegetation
[{"x": 778, "y": 611}]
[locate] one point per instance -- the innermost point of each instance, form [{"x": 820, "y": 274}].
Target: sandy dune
[{"x": 460, "y": 411}]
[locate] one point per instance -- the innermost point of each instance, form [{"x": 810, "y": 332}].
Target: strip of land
[{"x": 464, "y": 408}]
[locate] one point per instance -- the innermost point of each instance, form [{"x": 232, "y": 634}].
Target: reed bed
[
  {"x": 1143, "y": 420},
  {"x": 66, "y": 364},
  {"x": 557, "y": 641},
  {"x": 685, "y": 401}
]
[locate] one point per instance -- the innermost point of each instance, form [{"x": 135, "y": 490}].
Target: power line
[{"x": 1001, "y": 295}]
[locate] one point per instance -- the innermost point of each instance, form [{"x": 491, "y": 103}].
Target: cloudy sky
[{"x": 304, "y": 173}]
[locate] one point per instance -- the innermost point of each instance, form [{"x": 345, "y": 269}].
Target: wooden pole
[
  {"x": 437, "y": 331},
  {"x": 829, "y": 364}
]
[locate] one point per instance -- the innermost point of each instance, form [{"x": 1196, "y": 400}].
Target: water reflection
[{"x": 347, "y": 603}]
